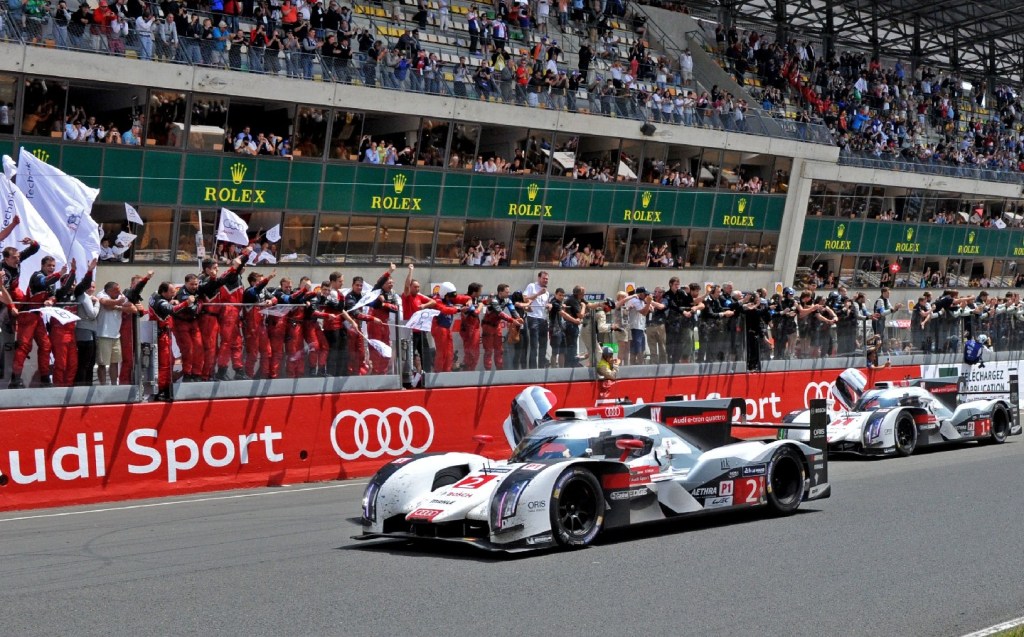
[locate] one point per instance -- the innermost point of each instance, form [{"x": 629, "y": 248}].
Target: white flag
[
  {"x": 32, "y": 225},
  {"x": 276, "y": 310},
  {"x": 65, "y": 203},
  {"x": 57, "y": 313},
  {"x": 10, "y": 168},
  {"x": 422, "y": 320},
  {"x": 366, "y": 299},
  {"x": 382, "y": 348},
  {"x": 274, "y": 234},
  {"x": 124, "y": 239},
  {"x": 232, "y": 228},
  {"x": 133, "y": 214}
]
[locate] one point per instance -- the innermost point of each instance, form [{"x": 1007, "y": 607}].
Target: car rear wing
[
  {"x": 706, "y": 423},
  {"x": 818, "y": 436},
  {"x": 1012, "y": 394}
]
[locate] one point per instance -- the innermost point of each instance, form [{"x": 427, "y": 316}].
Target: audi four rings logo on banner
[
  {"x": 372, "y": 433},
  {"x": 817, "y": 390}
]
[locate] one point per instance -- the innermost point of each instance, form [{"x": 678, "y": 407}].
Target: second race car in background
[{"x": 898, "y": 418}]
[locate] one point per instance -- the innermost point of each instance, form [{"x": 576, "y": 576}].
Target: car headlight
[
  {"x": 505, "y": 506},
  {"x": 370, "y": 501}
]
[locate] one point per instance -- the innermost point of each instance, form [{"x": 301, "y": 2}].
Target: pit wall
[{"x": 85, "y": 454}]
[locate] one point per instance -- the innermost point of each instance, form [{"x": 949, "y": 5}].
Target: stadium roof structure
[{"x": 983, "y": 39}]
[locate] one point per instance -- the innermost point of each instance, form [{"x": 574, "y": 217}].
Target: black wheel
[
  {"x": 448, "y": 476},
  {"x": 786, "y": 478},
  {"x": 905, "y": 434},
  {"x": 1000, "y": 427},
  {"x": 577, "y": 507}
]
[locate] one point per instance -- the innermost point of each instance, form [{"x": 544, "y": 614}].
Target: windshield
[
  {"x": 550, "y": 447},
  {"x": 871, "y": 402}
]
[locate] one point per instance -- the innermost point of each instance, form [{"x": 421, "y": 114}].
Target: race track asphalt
[{"x": 928, "y": 545}]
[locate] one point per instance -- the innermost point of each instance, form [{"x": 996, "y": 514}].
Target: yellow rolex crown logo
[
  {"x": 399, "y": 181},
  {"x": 910, "y": 234},
  {"x": 970, "y": 237},
  {"x": 532, "y": 191},
  {"x": 840, "y": 231},
  {"x": 41, "y": 155},
  {"x": 645, "y": 198},
  {"x": 742, "y": 205},
  {"x": 238, "y": 171}
]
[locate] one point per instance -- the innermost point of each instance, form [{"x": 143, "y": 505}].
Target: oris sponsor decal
[{"x": 537, "y": 505}]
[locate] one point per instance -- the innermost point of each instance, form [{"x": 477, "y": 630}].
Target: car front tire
[{"x": 577, "y": 507}]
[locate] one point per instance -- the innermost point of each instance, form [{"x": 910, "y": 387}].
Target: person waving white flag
[
  {"x": 232, "y": 228},
  {"x": 64, "y": 203},
  {"x": 32, "y": 226}
]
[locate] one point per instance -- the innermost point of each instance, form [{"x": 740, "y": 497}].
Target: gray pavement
[{"x": 928, "y": 545}]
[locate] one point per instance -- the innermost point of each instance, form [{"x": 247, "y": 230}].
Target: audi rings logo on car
[
  {"x": 372, "y": 433},
  {"x": 817, "y": 390}
]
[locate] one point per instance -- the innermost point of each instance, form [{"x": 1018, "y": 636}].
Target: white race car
[
  {"x": 584, "y": 470},
  {"x": 897, "y": 418}
]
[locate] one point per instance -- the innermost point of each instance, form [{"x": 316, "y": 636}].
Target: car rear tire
[
  {"x": 905, "y": 433},
  {"x": 786, "y": 480},
  {"x": 1000, "y": 427},
  {"x": 577, "y": 507},
  {"x": 448, "y": 476}
]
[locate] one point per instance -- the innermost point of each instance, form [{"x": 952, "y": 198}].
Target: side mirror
[
  {"x": 482, "y": 440},
  {"x": 628, "y": 445}
]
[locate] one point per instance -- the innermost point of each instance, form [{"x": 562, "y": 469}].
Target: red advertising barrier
[{"x": 83, "y": 454}]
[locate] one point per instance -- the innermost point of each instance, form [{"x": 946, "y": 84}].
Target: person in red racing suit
[
  {"x": 62, "y": 337},
  {"x": 293, "y": 343},
  {"x": 469, "y": 328},
  {"x": 448, "y": 302},
  {"x": 278, "y": 326},
  {"x": 129, "y": 327},
  {"x": 257, "y": 339},
  {"x": 499, "y": 309},
  {"x": 42, "y": 291},
  {"x": 356, "y": 342},
  {"x": 162, "y": 310},
  {"x": 230, "y": 298},
  {"x": 383, "y": 308},
  {"x": 185, "y": 328},
  {"x": 11, "y": 266},
  {"x": 210, "y": 282}
]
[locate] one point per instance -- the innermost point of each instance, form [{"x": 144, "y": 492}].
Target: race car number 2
[
  {"x": 473, "y": 482},
  {"x": 750, "y": 490}
]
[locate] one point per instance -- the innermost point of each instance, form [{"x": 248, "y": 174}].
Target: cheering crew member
[
  {"x": 382, "y": 308},
  {"x": 11, "y": 268},
  {"x": 62, "y": 337},
  {"x": 293, "y": 335},
  {"x": 499, "y": 309},
  {"x": 185, "y": 327},
  {"x": 412, "y": 302},
  {"x": 42, "y": 290},
  {"x": 210, "y": 282},
  {"x": 257, "y": 340},
  {"x": 448, "y": 302},
  {"x": 128, "y": 329},
  {"x": 162, "y": 310},
  {"x": 356, "y": 347},
  {"x": 469, "y": 327},
  {"x": 278, "y": 327},
  {"x": 230, "y": 298},
  {"x": 334, "y": 331},
  {"x": 313, "y": 334}
]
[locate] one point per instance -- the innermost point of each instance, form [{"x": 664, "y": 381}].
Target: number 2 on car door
[{"x": 750, "y": 490}]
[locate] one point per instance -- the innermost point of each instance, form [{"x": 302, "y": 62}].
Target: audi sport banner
[{"x": 77, "y": 455}]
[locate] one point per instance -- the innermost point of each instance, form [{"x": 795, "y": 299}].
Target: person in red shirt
[
  {"x": 499, "y": 309},
  {"x": 162, "y": 310},
  {"x": 279, "y": 327},
  {"x": 185, "y": 327},
  {"x": 62, "y": 337},
  {"x": 413, "y": 301},
  {"x": 229, "y": 320}
]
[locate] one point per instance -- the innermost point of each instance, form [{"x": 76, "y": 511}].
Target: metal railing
[{"x": 928, "y": 166}]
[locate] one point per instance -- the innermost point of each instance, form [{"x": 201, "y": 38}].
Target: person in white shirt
[
  {"x": 638, "y": 306},
  {"x": 686, "y": 67},
  {"x": 85, "y": 334},
  {"x": 537, "y": 295},
  {"x": 113, "y": 305}
]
